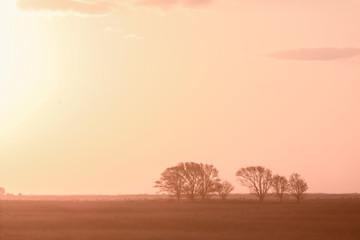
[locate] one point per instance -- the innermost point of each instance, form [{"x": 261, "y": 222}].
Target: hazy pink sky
[{"x": 101, "y": 96}]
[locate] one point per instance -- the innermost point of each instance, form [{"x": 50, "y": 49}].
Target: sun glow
[
  {"x": 22, "y": 82},
  {"x": 6, "y": 56}
]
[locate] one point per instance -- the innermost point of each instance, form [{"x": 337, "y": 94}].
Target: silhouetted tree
[
  {"x": 224, "y": 189},
  {"x": 171, "y": 182},
  {"x": 297, "y": 186},
  {"x": 208, "y": 180},
  {"x": 190, "y": 179},
  {"x": 258, "y": 179},
  {"x": 190, "y": 173},
  {"x": 280, "y": 185}
]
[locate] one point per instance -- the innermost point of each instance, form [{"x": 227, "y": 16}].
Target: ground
[{"x": 160, "y": 219}]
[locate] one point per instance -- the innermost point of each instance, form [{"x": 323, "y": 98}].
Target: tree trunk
[{"x": 191, "y": 197}]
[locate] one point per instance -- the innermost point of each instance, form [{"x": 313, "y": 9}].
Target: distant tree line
[
  {"x": 196, "y": 180},
  {"x": 5, "y": 195}
]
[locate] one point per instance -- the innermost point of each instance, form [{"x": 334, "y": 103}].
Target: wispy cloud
[
  {"x": 110, "y": 29},
  {"x": 166, "y": 4},
  {"x": 77, "y": 7},
  {"x": 100, "y": 7},
  {"x": 134, "y": 36},
  {"x": 316, "y": 54}
]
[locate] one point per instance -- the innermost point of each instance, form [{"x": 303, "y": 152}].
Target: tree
[
  {"x": 280, "y": 185},
  {"x": 258, "y": 179},
  {"x": 297, "y": 186},
  {"x": 190, "y": 179},
  {"x": 2, "y": 191},
  {"x": 190, "y": 173},
  {"x": 224, "y": 189},
  {"x": 171, "y": 182},
  {"x": 208, "y": 180}
]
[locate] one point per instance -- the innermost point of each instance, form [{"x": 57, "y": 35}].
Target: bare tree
[
  {"x": 190, "y": 173},
  {"x": 208, "y": 180},
  {"x": 298, "y": 186},
  {"x": 189, "y": 179},
  {"x": 258, "y": 179},
  {"x": 171, "y": 182},
  {"x": 224, "y": 189},
  {"x": 280, "y": 185}
]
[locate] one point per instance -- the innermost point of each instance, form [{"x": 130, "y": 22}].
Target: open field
[{"x": 110, "y": 220}]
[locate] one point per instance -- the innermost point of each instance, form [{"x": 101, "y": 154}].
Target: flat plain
[{"x": 160, "y": 219}]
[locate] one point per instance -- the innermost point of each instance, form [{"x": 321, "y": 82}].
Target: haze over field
[{"x": 99, "y": 97}]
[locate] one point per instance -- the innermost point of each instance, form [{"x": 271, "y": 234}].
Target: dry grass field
[{"x": 113, "y": 220}]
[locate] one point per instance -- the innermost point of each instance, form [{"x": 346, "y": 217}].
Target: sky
[{"x": 99, "y": 97}]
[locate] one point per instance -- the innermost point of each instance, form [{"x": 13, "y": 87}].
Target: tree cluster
[
  {"x": 196, "y": 180},
  {"x": 260, "y": 180},
  {"x": 193, "y": 180}
]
